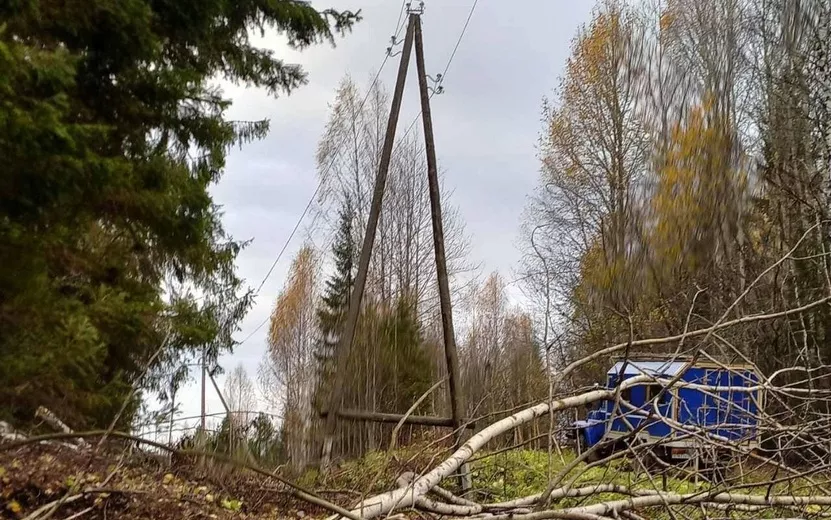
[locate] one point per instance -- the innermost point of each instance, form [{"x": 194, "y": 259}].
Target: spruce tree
[
  {"x": 335, "y": 303},
  {"x": 406, "y": 370},
  {"x": 112, "y": 132}
]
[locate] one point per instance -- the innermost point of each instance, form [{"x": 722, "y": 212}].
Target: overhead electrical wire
[
  {"x": 444, "y": 74},
  {"x": 322, "y": 176},
  {"x": 461, "y": 35},
  {"x": 399, "y": 25}
]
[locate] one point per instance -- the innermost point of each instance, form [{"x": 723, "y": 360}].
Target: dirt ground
[{"x": 120, "y": 482}]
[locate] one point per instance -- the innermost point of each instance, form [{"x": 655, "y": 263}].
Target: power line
[
  {"x": 323, "y": 174},
  {"x": 462, "y": 35},
  {"x": 288, "y": 240},
  {"x": 338, "y": 152},
  {"x": 331, "y": 164},
  {"x": 398, "y": 24},
  {"x": 261, "y": 325}
]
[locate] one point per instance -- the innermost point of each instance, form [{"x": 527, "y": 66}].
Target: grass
[
  {"x": 504, "y": 476},
  {"x": 525, "y": 472},
  {"x": 519, "y": 473}
]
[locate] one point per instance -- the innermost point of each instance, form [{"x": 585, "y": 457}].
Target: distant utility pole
[{"x": 204, "y": 371}]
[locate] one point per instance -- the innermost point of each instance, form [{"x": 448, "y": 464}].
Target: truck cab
[{"x": 673, "y": 412}]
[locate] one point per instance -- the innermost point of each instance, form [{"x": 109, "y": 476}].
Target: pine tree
[{"x": 335, "y": 303}]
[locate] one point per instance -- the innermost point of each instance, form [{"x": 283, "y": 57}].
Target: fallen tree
[{"x": 413, "y": 493}]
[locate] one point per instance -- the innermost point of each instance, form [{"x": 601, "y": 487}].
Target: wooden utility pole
[
  {"x": 227, "y": 411},
  {"x": 450, "y": 353},
  {"x": 348, "y": 333},
  {"x": 172, "y": 413},
  {"x": 333, "y": 412},
  {"x": 204, "y": 371}
]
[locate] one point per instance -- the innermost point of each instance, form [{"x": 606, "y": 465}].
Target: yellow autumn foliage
[{"x": 699, "y": 185}]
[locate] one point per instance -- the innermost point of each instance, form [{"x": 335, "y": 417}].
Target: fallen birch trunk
[
  {"x": 520, "y": 506},
  {"x": 7, "y": 433},
  {"x": 52, "y": 420},
  {"x": 449, "y": 498},
  {"x": 406, "y": 497},
  {"x": 516, "y": 507},
  {"x": 567, "y": 491},
  {"x": 412, "y": 494},
  {"x": 456, "y": 508},
  {"x": 614, "y": 507}
]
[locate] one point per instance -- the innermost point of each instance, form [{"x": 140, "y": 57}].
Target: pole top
[{"x": 417, "y": 9}]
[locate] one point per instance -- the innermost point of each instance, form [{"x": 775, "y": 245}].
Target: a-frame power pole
[{"x": 333, "y": 411}]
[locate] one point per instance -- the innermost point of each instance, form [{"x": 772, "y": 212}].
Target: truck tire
[{"x": 583, "y": 446}]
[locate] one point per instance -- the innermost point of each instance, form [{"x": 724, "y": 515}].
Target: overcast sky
[{"x": 486, "y": 126}]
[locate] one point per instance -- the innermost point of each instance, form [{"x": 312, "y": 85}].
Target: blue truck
[{"x": 689, "y": 424}]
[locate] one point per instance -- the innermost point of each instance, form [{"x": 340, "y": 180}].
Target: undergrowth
[
  {"x": 519, "y": 473},
  {"x": 503, "y": 476}
]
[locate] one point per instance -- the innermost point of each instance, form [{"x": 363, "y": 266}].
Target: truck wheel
[
  {"x": 583, "y": 446},
  {"x": 580, "y": 443}
]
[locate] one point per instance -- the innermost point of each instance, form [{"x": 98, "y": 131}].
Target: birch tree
[
  {"x": 501, "y": 358},
  {"x": 288, "y": 371},
  {"x": 348, "y": 154},
  {"x": 240, "y": 396},
  {"x": 593, "y": 152}
]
